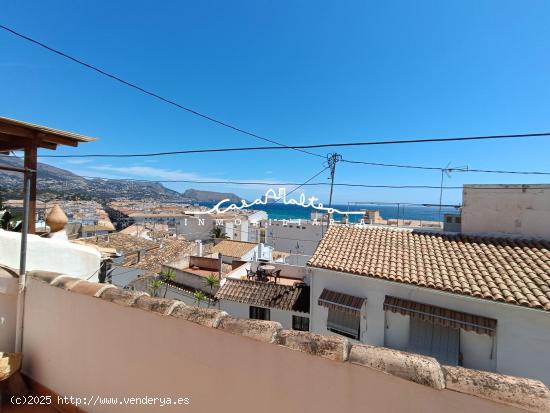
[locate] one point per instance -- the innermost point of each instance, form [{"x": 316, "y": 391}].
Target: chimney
[{"x": 198, "y": 244}]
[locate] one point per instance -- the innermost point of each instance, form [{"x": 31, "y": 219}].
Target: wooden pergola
[{"x": 18, "y": 135}]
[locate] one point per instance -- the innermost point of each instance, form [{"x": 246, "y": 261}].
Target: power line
[
  {"x": 148, "y": 92},
  {"x": 450, "y": 169},
  {"x": 401, "y": 203},
  {"x": 324, "y": 145},
  {"x": 252, "y": 134},
  {"x": 307, "y": 183},
  {"x": 276, "y": 183},
  {"x": 389, "y": 165}
]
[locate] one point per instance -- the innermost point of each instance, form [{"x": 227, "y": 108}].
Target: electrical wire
[
  {"x": 450, "y": 169},
  {"x": 150, "y": 93},
  {"x": 323, "y": 145},
  {"x": 307, "y": 183},
  {"x": 280, "y": 145}
]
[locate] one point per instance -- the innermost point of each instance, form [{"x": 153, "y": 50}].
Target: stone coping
[{"x": 528, "y": 394}]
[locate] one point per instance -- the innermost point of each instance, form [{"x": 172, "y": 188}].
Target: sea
[{"x": 280, "y": 211}]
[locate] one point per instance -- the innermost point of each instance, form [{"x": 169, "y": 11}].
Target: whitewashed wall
[
  {"x": 286, "y": 237},
  {"x": 8, "y": 312},
  {"x": 518, "y": 209},
  {"x": 53, "y": 255},
  {"x": 242, "y": 310},
  {"x": 522, "y": 346}
]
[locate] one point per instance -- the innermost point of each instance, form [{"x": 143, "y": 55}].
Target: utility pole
[{"x": 332, "y": 159}]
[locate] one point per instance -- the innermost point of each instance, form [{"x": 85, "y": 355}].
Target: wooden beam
[
  {"x": 60, "y": 140},
  {"x": 47, "y": 145},
  {"x": 23, "y": 141},
  {"x": 31, "y": 163},
  {"x": 16, "y": 131},
  {"x": 8, "y": 147}
]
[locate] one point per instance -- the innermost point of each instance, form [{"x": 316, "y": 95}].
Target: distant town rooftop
[
  {"x": 232, "y": 248},
  {"x": 283, "y": 297},
  {"x": 509, "y": 270},
  {"x": 139, "y": 252}
]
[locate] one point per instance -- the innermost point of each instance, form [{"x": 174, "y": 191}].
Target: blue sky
[{"x": 297, "y": 72}]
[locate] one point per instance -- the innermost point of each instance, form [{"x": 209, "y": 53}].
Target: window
[
  {"x": 344, "y": 323},
  {"x": 259, "y": 313},
  {"x": 458, "y": 220},
  {"x": 434, "y": 340},
  {"x": 300, "y": 323},
  {"x": 449, "y": 220}
]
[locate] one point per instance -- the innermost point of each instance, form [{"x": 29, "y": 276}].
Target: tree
[
  {"x": 155, "y": 286},
  {"x": 211, "y": 281},
  {"x": 199, "y": 296},
  {"x": 8, "y": 221},
  {"x": 166, "y": 276},
  {"x": 218, "y": 233}
]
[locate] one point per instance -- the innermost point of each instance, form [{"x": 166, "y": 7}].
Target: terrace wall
[{"x": 122, "y": 344}]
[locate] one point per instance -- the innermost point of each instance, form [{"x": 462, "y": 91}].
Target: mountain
[
  {"x": 57, "y": 182},
  {"x": 209, "y": 196}
]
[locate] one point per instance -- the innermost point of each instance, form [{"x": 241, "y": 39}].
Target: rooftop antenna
[{"x": 446, "y": 171}]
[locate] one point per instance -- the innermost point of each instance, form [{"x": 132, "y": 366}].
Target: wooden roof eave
[{"x": 18, "y": 135}]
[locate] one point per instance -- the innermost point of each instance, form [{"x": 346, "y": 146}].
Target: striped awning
[
  {"x": 441, "y": 316},
  {"x": 341, "y": 302}
]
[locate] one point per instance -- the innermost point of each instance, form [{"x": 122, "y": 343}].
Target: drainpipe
[
  {"x": 311, "y": 301},
  {"x": 220, "y": 264},
  {"x": 23, "y": 264}
]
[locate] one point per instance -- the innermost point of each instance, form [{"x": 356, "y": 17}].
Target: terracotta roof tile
[
  {"x": 232, "y": 248},
  {"x": 156, "y": 253},
  {"x": 283, "y": 297},
  {"x": 508, "y": 270}
]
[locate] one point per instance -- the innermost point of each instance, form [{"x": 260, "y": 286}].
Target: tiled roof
[
  {"x": 283, "y": 297},
  {"x": 232, "y": 248},
  {"x": 509, "y": 270},
  {"x": 94, "y": 228},
  {"x": 123, "y": 243},
  {"x": 156, "y": 252}
]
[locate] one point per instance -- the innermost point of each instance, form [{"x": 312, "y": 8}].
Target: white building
[
  {"x": 483, "y": 303},
  {"x": 510, "y": 209},
  {"x": 285, "y": 300},
  {"x": 299, "y": 238},
  {"x": 242, "y": 251},
  {"x": 246, "y": 226},
  {"x": 242, "y": 226}
]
